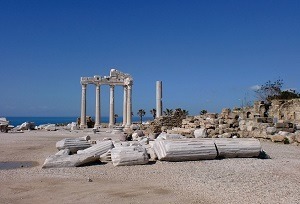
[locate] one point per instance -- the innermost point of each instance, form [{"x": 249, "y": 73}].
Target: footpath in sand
[{"x": 240, "y": 180}]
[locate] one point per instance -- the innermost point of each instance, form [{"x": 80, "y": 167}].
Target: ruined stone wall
[{"x": 286, "y": 110}]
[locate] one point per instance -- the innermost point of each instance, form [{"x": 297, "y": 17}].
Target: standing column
[
  {"x": 125, "y": 106},
  {"x": 111, "y": 107},
  {"x": 83, "y": 106},
  {"x": 97, "y": 115},
  {"x": 158, "y": 98},
  {"x": 129, "y": 105}
]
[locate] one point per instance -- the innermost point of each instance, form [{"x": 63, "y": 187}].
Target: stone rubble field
[{"x": 229, "y": 180}]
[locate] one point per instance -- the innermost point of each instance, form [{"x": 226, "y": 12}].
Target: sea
[{"x": 15, "y": 121}]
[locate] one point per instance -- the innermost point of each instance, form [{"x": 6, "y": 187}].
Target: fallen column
[
  {"x": 58, "y": 161},
  {"x": 126, "y": 156},
  {"x": 238, "y": 147},
  {"x": 185, "y": 149},
  {"x": 97, "y": 149},
  {"x": 73, "y": 144}
]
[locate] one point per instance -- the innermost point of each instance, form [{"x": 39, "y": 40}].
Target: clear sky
[{"x": 207, "y": 53}]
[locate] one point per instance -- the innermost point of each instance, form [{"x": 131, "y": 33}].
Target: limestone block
[
  {"x": 291, "y": 138},
  {"x": 50, "y": 127},
  {"x": 297, "y": 138},
  {"x": 225, "y": 135},
  {"x": 200, "y": 133},
  {"x": 224, "y": 126},
  {"x": 242, "y": 122},
  {"x": 250, "y": 128},
  {"x": 166, "y": 136},
  {"x": 277, "y": 138},
  {"x": 283, "y": 133},
  {"x": 209, "y": 126},
  {"x": 271, "y": 130},
  {"x": 243, "y": 127}
]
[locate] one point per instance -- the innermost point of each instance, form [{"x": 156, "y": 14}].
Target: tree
[
  {"x": 181, "y": 113},
  {"x": 273, "y": 90},
  {"x": 116, "y": 116},
  {"x": 203, "y": 112},
  {"x": 168, "y": 112},
  {"x": 153, "y": 113},
  {"x": 141, "y": 113}
]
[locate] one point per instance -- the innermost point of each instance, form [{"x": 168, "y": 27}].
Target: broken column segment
[
  {"x": 73, "y": 144},
  {"x": 238, "y": 147},
  {"x": 185, "y": 149},
  {"x": 131, "y": 155},
  {"x": 97, "y": 149}
]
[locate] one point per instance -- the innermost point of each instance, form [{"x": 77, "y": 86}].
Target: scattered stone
[
  {"x": 126, "y": 156},
  {"x": 73, "y": 144},
  {"x": 277, "y": 138},
  {"x": 200, "y": 133}
]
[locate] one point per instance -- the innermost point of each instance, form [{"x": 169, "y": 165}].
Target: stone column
[
  {"x": 83, "y": 106},
  {"x": 158, "y": 98},
  {"x": 97, "y": 114},
  {"x": 129, "y": 105},
  {"x": 125, "y": 106},
  {"x": 111, "y": 107}
]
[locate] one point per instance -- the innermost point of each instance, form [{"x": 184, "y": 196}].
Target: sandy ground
[{"x": 247, "y": 180}]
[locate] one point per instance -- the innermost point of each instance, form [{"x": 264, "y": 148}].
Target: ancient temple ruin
[{"x": 116, "y": 78}]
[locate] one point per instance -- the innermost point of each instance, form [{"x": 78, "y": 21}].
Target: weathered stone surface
[
  {"x": 58, "y": 161},
  {"x": 200, "y": 133},
  {"x": 166, "y": 136},
  {"x": 97, "y": 149},
  {"x": 291, "y": 138},
  {"x": 63, "y": 152},
  {"x": 297, "y": 138},
  {"x": 73, "y": 144},
  {"x": 106, "y": 157},
  {"x": 271, "y": 130},
  {"x": 185, "y": 149},
  {"x": 277, "y": 138},
  {"x": 238, "y": 147},
  {"x": 126, "y": 156}
]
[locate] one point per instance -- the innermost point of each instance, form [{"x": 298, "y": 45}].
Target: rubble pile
[
  {"x": 277, "y": 122},
  {"x": 74, "y": 152}
]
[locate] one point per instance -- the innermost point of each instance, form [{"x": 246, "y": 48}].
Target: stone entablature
[{"x": 116, "y": 78}]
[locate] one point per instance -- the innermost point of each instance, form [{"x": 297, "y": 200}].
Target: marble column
[
  {"x": 158, "y": 98},
  {"x": 129, "y": 105},
  {"x": 83, "y": 106},
  {"x": 111, "y": 107},
  {"x": 125, "y": 106},
  {"x": 97, "y": 114}
]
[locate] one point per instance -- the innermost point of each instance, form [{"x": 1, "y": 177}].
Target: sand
[{"x": 240, "y": 180}]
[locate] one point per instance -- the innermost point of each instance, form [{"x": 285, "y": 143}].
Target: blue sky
[{"x": 207, "y": 53}]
